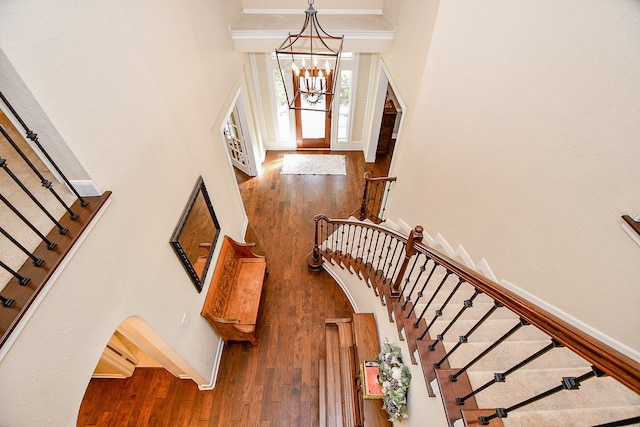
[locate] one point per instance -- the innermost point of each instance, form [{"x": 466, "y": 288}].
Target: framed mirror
[{"x": 195, "y": 236}]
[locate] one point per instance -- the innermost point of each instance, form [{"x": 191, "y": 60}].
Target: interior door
[
  {"x": 313, "y": 128},
  {"x": 236, "y": 144}
]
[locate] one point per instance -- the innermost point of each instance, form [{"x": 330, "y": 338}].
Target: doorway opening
[
  {"x": 386, "y": 121},
  {"x": 135, "y": 345}
]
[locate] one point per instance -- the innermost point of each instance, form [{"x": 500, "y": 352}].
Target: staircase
[
  {"x": 42, "y": 217},
  {"x": 484, "y": 350}
]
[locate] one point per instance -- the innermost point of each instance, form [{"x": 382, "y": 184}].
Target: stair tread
[
  {"x": 489, "y": 331},
  {"x": 571, "y": 417},
  {"x": 510, "y": 353},
  {"x": 521, "y": 385}
]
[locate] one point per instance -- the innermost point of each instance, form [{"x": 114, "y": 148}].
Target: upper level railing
[
  {"x": 40, "y": 222},
  {"x": 430, "y": 296},
  {"x": 374, "y": 198}
]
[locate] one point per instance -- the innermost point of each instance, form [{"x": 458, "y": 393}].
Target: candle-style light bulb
[{"x": 303, "y": 63}]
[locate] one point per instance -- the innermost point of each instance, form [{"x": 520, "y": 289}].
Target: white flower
[{"x": 396, "y": 372}]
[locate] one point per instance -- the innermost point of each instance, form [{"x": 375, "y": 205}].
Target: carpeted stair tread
[
  {"x": 571, "y": 417},
  {"x": 489, "y": 331},
  {"x": 510, "y": 353},
  {"x": 593, "y": 393},
  {"x": 453, "y": 308}
]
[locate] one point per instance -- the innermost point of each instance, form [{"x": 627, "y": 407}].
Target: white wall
[
  {"x": 522, "y": 144},
  {"x": 137, "y": 90}
]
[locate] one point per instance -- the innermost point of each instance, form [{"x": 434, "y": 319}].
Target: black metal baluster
[
  {"x": 385, "y": 199},
  {"x": 3, "y": 165},
  {"x": 394, "y": 262},
  {"x": 368, "y": 258},
  {"x": 369, "y": 192},
  {"x": 489, "y": 349},
  {"x": 468, "y": 303},
  {"x": 408, "y": 279},
  {"x": 6, "y": 302},
  {"x": 465, "y": 338},
  {"x": 435, "y": 293},
  {"x": 442, "y": 307},
  {"x": 376, "y": 254},
  {"x": 50, "y": 244},
  {"x": 342, "y": 239},
  {"x": 43, "y": 181},
  {"x": 34, "y": 137},
  {"x": 381, "y": 253},
  {"x": 423, "y": 268},
  {"x": 568, "y": 383},
  {"x": 502, "y": 377},
  {"x": 377, "y": 201},
  {"x": 21, "y": 279},
  {"x": 36, "y": 261},
  {"x": 360, "y": 244},
  {"x": 347, "y": 248},
  {"x": 386, "y": 257}
]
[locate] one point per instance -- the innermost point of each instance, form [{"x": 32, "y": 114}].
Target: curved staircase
[{"x": 492, "y": 357}]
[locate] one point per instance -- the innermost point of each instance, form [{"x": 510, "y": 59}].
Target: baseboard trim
[
  {"x": 85, "y": 187},
  {"x": 216, "y": 366},
  {"x": 631, "y": 232}
]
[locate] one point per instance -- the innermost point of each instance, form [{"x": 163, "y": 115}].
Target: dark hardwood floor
[{"x": 276, "y": 382}]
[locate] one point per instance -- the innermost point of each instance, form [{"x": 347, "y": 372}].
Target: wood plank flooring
[{"x": 276, "y": 382}]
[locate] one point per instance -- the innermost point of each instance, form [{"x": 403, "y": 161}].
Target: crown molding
[
  {"x": 322, "y": 11},
  {"x": 261, "y": 32}
]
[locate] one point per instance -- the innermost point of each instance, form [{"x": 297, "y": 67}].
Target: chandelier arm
[
  {"x": 315, "y": 25},
  {"x": 313, "y": 85}
]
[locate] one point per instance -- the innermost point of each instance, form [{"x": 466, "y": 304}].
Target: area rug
[{"x": 314, "y": 164}]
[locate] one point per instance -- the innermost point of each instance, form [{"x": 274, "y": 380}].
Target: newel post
[
  {"x": 363, "y": 205},
  {"x": 410, "y": 250},
  {"x": 314, "y": 259}
]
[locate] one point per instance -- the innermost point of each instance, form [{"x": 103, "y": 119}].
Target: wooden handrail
[
  {"x": 616, "y": 364},
  {"x": 368, "y": 177},
  {"x": 613, "y": 362},
  {"x": 372, "y": 207}
]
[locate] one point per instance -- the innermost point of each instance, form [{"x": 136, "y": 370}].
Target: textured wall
[
  {"x": 138, "y": 91},
  {"x": 522, "y": 144}
]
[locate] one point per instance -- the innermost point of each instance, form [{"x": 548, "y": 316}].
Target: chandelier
[{"x": 312, "y": 57}]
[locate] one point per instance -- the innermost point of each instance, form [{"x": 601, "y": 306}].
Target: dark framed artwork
[{"x": 195, "y": 236}]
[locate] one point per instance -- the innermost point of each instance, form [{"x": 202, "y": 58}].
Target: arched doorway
[{"x": 134, "y": 344}]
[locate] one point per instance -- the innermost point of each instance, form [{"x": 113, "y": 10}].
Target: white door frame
[
  {"x": 384, "y": 82},
  {"x": 238, "y": 104}
]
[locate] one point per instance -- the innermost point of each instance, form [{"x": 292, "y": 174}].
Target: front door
[{"x": 313, "y": 128}]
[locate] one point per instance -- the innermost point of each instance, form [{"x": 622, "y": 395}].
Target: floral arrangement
[{"x": 394, "y": 377}]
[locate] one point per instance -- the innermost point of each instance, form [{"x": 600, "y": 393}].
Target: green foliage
[{"x": 394, "y": 377}]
